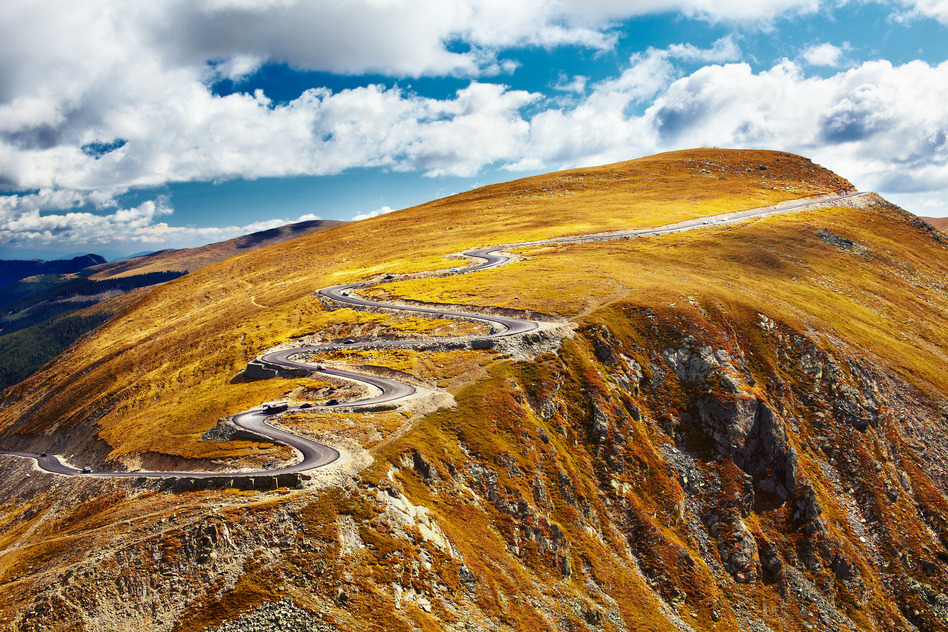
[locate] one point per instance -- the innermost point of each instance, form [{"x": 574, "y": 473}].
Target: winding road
[{"x": 314, "y": 455}]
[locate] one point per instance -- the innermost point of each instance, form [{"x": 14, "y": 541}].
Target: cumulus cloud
[
  {"x": 880, "y": 124},
  {"x": 937, "y": 9},
  {"x": 723, "y": 50},
  {"x": 22, "y": 224},
  {"x": 135, "y": 224},
  {"x": 824, "y": 54},
  {"x": 375, "y": 213}
]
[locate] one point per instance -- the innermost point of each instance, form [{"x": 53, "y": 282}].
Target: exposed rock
[
  {"x": 838, "y": 241},
  {"x": 403, "y": 513},
  {"x": 598, "y": 425},
  {"x": 425, "y": 469},
  {"x": 283, "y": 615},
  {"x": 737, "y": 547},
  {"x": 691, "y": 363}
]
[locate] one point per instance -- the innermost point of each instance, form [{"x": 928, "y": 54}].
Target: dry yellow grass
[{"x": 158, "y": 375}]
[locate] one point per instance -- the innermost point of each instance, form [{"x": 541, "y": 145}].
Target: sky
[{"x": 129, "y": 127}]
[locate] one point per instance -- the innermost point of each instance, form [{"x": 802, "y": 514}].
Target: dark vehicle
[
  {"x": 348, "y": 341},
  {"x": 332, "y": 402},
  {"x": 274, "y": 407},
  {"x": 306, "y": 405},
  {"x": 86, "y": 470},
  {"x": 389, "y": 277},
  {"x": 44, "y": 454},
  {"x": 320, "y": 367}
]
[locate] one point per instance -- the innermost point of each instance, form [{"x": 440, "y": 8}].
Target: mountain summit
[{"x": 719, "y": 404}]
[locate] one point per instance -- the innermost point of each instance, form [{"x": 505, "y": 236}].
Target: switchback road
[{"x": 313, "y": 455}]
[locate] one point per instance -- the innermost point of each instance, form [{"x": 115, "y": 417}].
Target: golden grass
[
  {"x": 158, "y": 375},
  {"x": 777, "y": 266}
]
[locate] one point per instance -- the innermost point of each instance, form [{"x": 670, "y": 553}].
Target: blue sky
[{"x": 130, "y": 127}]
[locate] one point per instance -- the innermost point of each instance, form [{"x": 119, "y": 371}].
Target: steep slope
[
  {"x": 746, "y": 431},
  {"x": 941, "y": 223}
]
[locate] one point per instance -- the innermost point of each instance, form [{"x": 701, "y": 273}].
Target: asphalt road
[{"x": 314, "y": 455}]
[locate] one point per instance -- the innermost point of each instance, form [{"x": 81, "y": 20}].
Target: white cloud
[
  {"x": 722, "y": 50},
  {"x": 23, "y": 225},
  {"x": 822, "y": 55},
  {"x": 134, "y": 80},
  {"x": 135, "y": 224},
  {"x": 575, "y": 84},
  {"x": 881, "y": 125},
  {"x": 936, "y": 9},
  {"x": 375, "y": 213}
]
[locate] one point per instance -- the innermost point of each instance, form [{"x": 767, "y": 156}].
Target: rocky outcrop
[{"x": 279, "y": 615}]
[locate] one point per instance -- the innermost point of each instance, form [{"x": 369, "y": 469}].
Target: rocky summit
[{"x": 723, "y": 406}]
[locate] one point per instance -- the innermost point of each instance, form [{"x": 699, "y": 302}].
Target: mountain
[
  {"x": 193, "y": 258},
  {"x": 726, "y": 424},
  {"x": 12, "y": 271},
  {"x": 42, "y": 315}
]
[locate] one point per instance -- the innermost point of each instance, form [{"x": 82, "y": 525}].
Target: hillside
[
  {"x": 12, "y": 271},
  {"x": 43, "y": 314},
  {"x": 745, "y": 431},
  {"x": 187, "y": 259},
  {"x": 941, "y": 223}
]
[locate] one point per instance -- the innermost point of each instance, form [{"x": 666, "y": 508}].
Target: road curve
[{"x": 314, "y": 455}]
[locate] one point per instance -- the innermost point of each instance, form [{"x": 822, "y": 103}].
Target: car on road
[
  {"x": 86, "y": 470},
  {"x": 43, "y": 454},
  {"x": 274, "y": 407},
  {"x": 320, "y": 367},
  {"x": 332, "y": 402},
  {"x": 348, "y": 341},
  {"x": 306, "y": 405},
  {"x": 344, "y": 293}
]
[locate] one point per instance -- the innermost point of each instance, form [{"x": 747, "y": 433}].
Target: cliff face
[{"x": 746, "y": 431}]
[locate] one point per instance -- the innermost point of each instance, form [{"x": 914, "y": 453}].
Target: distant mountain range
[
  {"x": 45, "y": 306},
  {"x": 189, "y": 259},
  {"x": 13, "y": 271}
]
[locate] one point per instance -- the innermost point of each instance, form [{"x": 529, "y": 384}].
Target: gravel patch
[{"x": 279, "y": 616}]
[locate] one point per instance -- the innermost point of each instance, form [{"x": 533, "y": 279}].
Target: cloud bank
[{"x": 99, "y": 96}]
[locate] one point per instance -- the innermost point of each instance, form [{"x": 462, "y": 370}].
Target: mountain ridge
[
  {"x": 14, "y": 270},
  {"x": 745, "y": 431}
]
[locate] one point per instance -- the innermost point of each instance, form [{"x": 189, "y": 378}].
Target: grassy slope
[
  {"x": 159, "y": 375},
  {"x": 889, "y": 299}
]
